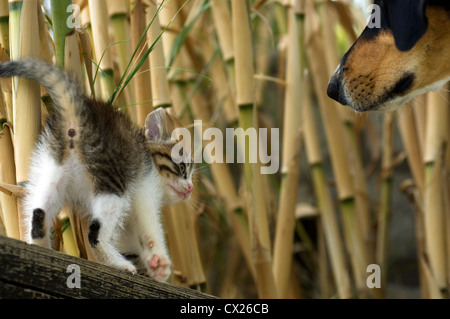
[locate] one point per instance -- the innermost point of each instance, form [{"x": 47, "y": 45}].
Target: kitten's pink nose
[{"x": 190, "y": 188}]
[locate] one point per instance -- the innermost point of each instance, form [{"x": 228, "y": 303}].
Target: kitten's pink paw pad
[{"x": 159, "y": 268}]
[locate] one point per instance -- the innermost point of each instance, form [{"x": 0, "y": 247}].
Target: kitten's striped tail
[{"x": 64, "y": 89}]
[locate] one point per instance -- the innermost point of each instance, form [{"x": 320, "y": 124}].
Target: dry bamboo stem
[
  {"x": 4, "y": 25},
  {"x": 384, "y": 208},
  {"x": 420, "y": 115},
  {"x": 8, "y": 176},
  {"x": 141, "y": 81},
  {"x": 337, "y": 147},
  {"x": 101, "y": 42},
  {"x": 434, "y": 218},
  {"x": 190, "y": 260},
  {"x": 253, "y": 180},
  {"x": 348, "y": 118},
  {"x": 223, "y": 26},
  {"x": 290, "y": 169},
  {"x": 158, "y": 71},
  {"x": 2, "y": 225},
  {"x": 167, "y": 13},
  {"x": 222, "y": 21},
  {"x": 89, "y": 54},
  {"x": 408, "y": 131},
  {"x": 284, "y": 236},
  {"x": 45, "y": 40},
  {"x": 224, "y": 181},
  {"x": 26, "y": 95},
  {"x": 120, "y": 30},
  {"x": 328, "y": 218},
  {"x": 222, "y": 86}
]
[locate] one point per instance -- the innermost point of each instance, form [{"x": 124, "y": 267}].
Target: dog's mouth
[{"x": 362, "y": 93}]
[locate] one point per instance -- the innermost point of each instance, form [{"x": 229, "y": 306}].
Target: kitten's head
[{"x": 176, "y": 173}]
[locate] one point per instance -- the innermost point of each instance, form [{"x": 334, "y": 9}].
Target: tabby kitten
[{"x": 92, "y": 157}]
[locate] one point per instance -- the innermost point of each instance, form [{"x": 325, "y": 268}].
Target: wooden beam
[{"x": 30, "y": 271}]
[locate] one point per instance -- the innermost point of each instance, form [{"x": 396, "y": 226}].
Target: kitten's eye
[{"x": 182, "y": 168}]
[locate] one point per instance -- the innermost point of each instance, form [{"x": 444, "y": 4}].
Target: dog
[{"x": 407, "y": 54}]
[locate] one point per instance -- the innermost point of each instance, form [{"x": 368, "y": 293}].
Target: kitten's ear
[{"x": 155, "y": 126}]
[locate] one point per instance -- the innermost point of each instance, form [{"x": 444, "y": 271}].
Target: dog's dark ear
[{"x": 407, "y": 21}]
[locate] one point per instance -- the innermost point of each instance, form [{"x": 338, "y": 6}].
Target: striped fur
[{"x": 91, "y": 156}]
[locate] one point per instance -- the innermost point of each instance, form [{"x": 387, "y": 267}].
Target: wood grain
[{"x": 29, "y": 271}]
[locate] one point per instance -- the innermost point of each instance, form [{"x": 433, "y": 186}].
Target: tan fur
[{"x": 372, "y": 67}]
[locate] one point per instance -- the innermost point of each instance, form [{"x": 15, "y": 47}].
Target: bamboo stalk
[
  {"x": 168, "y": 15},
  {"x": 8, "y": 175},
  {"x": 141, "y": 81},
  {"x": 186, "y": 259},
  {"x": 93, "y": 86},
  {"x": 222, "y": 22},
  {"x": 26, "y": 93},
  {"x": 60, "y": 27},
  {"x": 328, "y": 218},
  {"x": 419, "y": 106},
  {"x": 2, "y": 224},
  {"x": 336, "y": 143},
  {"x": 434, "y": 213},
  {"x": 158, "y": 71},
  {"x": 290, "y": 169},
  {"x": 284, "y": 235},
  {"x": 4, "y": 25},
  {"x": 224, "y": 94},
  {"x": 101, "y": 42},
  {"x": 224, "y": 181},
  {"x": 120, "y": 30},
  {"x": 411, "y": 142},
  {"x": 223, "y": 26},
  {"x": 349, "y": 120},
  {"x": 247, "y": 117},
  {"x": 385, "y": 204},
  {"x": 45, "y": 40}
]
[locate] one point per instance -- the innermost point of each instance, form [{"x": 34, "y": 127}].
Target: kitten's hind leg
[
  {"x": 45, "y": 198},
  {"x": 107, "y": 215}
]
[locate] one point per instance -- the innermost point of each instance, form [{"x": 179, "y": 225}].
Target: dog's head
[{"x": 404, "y": 54}]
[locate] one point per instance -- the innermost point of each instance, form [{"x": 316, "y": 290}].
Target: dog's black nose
[{"x": 334, "y": 88}]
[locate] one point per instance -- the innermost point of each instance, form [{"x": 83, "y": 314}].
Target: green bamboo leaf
[
  {"x": 181, "y": 38},
  {"x": 126, "y": 79}
]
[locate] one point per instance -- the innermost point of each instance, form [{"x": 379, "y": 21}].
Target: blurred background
[{"x": 352, "y": 190}]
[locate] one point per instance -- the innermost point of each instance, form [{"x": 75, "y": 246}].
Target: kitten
[{"x": 92, "y": 157}]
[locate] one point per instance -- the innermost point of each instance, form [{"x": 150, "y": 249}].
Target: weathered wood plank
[{"x": 33, "y": 271}]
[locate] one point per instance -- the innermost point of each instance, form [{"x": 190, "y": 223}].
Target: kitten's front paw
[
  {"x": 131, "y": 269},
  {"x": 159, "y": 267},
  {"x": 158, "y": 264},
  {"x": 123, "y": 265}
]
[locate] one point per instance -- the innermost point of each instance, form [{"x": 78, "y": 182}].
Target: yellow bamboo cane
[
  {"x": 99, "y": 19},
  {"x": 253, "y": 180},
  {"x": 26, "y": 93},
  {"x": 434, "y": 206}
]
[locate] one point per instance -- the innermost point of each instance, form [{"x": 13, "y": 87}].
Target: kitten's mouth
[{"x": 182, "y": 194}]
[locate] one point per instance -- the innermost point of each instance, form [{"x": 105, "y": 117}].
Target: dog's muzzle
[{"x": 335, "y": 90}]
